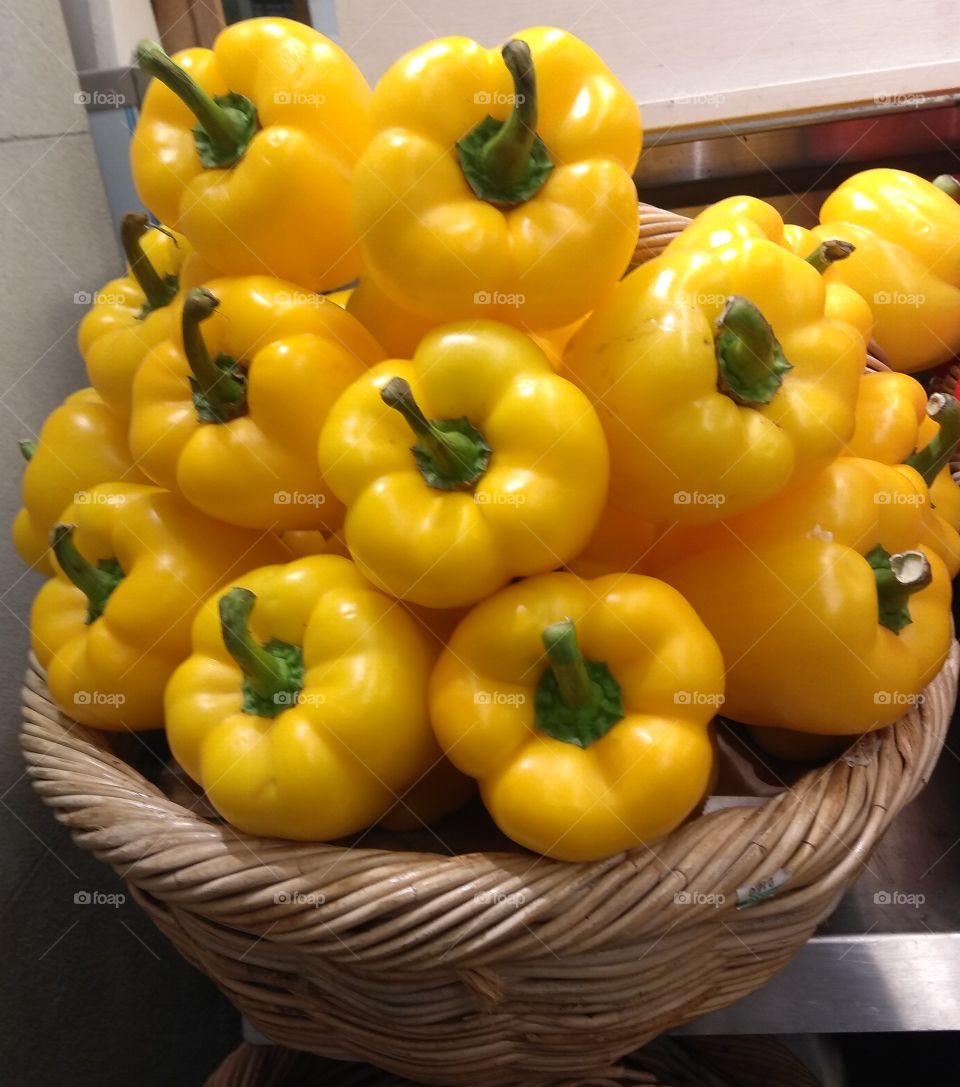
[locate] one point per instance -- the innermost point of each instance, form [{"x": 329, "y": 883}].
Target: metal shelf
[{"x": 888, "y": 958}]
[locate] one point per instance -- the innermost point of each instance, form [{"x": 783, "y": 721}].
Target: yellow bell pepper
[
  {"x": 506, "y": 478},
  {"x": 619, "y": 544},
  {"x": 896, "y": 424},
  {"x": 303, "y": 709},
  {"x": 397, "y": 330},
  {"x": 906, "y": 263},
  {"x": 135, "y": 312},
  {"x": 729, "y": 221},
  {"x": 81, "y": 443},
  {"x": 830, "y": 609},
  {"x": 229, "y": 415},
  {"x": 497, "y": 183},
  {"x": 553, "y": 341},
  {"x": 844, "y": 493},
  {"x": 843, "y": 303},
  {"x": 247, "y": 149},
  {"x": 890, "y": 410},
  {"x": 311, "y": 541},
  {"x": 341, "y": 297},
  {"x": 718, "y": 379},
  {"x": 739, "y": 217},
  {"x": 133, "y": 565},
  {"x": 603, "y": 743}
]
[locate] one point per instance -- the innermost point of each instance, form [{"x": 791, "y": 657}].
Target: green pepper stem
[
  {"x": 750, "y": 361},
  {"x": 95, "y": 582},
  {"x": 226, "y": 127},
  {"x": 27, "y": 448},
  {"x": 949, "y": 184},
  {"x": 829, "y": 252},
  {"x": 220, "y": 389},
  {"x": 452, "y": 456},
  {"x": 507, "y": 155},
  {"x": 908, "y": 573},
  {"x": 266, "y": 674},
  {"x": 936, "y": 455},
  {"x": 898, "y": 577},
  {"x": 567, "y": 663},
  {"x": 158, "y": 290}
]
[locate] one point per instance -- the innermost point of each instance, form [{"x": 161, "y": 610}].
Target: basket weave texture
[{"x": 493, "y": 966}]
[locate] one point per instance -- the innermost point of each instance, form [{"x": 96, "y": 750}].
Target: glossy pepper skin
[
  {"x": 718, "y": 379},
  {"x": 906, "y": 264},
  {"x": 506, "y": 477},
  {"x": 530, "y": 236},
  {"x": 896, "y": 424},
  {"x": 397, "y": 330},
  {"x": 303, "y": 709},
  {"x": 264, "y": 190},
  {"x": 228, "y": 413},
  {"x": 791, "y": 595},
  {"x": 842, "y": 501},
  {"x": 581, "y": 770},
  {"x": 843, "y": 303},
  {"x": 620, "y": 544},
  {"x": 135, "y": 312},
  {"x": 146, "y": 561},
  {"x": 891, "y": 408},
  {"x": 81, "y": 443}
]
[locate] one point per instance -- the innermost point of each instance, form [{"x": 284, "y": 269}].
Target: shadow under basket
[
  {"x": 494, "y": 967},
  {"x": 745, "y": 1061}
]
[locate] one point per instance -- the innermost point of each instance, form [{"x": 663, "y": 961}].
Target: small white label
[
  {"x": 864, "y": 751},
  {"x": 763, "y": 888},
  {"x": 720, "y": 803}
]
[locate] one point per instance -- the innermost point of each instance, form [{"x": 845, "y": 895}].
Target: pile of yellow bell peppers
[{"x": 496, "y": 517}]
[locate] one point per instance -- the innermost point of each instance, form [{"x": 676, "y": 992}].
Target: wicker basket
[
  {"x": 493, "y": 967},
  {"x": 490, "y": 966},
  {"x": 668, "y": 1062}
]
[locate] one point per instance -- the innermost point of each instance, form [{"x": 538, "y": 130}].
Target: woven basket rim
[{"x": 128, "y": 822}]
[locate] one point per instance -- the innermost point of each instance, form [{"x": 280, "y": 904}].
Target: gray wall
[{"x": 89, "y": 994}]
